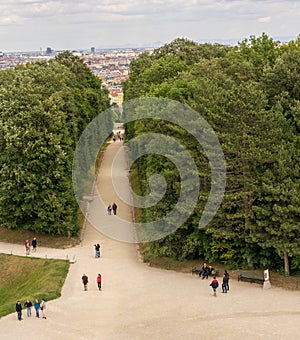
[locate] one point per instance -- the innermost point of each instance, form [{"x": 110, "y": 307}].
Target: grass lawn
[
  {"x": 51, "y": 241},
  {"x": 29, "y": 278}
]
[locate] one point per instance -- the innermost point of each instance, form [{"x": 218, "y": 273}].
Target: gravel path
[{"x": 139, "y": 302}]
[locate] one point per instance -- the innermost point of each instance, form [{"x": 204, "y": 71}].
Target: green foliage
[
  {"x": 29, "y": 278},
  {"x": 250, "y": 95},
  {"x": 44, "y": 107}
]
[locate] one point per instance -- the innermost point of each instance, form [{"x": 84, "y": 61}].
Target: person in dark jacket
[
  {"x": 114, "y": 208},
  {"x": 214, "y": 284},
  {"x": 19, "y": 310},
  {"x": 204, "y": 272},
  {"x": 226, "y": 280},
  {"x": 34, "y": 244},
  {"x": 28, "y": 305},
  {"x": 97, "y": 250},
  {"x": 85, "y": 281}
]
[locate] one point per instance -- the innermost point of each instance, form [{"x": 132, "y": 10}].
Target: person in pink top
[{"x": 27, "y": 247}]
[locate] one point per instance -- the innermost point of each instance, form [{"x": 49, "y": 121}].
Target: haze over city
[{"x": 29, "y": 25}]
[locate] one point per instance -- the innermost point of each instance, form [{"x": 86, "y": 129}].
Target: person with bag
[{"x": 43, "y": 308}]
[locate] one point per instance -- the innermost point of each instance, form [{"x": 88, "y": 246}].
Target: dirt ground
[{"x": 140, "y": 302}]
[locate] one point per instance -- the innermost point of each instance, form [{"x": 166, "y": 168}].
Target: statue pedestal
[{"x": 267, "y": 284}]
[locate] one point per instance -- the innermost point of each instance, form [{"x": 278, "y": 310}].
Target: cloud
[
  {"x": 58, "y": 22},
  {"x": 265, "y": 19}
]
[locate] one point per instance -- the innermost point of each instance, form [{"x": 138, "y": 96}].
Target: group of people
[
  {"x": 33, "y": 244},
  {"x": 112, "y": 208},
  {"x": 118, "y": 136},
  {"x": 85, "y": 281},
  {"x": 225, "y": 284},
  {"x": 206, "y": 271},
  {"x": 38, "y": 306}
]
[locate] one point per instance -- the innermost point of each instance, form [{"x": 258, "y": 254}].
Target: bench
[
  {"x": 197, "y": 270},
  {"x": 251, "y": 277}
]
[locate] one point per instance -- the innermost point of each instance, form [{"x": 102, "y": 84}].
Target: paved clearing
[{"x": 139, "y": 302}]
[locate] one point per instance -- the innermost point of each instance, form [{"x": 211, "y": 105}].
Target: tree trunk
[{"x": 286, "y": 263}]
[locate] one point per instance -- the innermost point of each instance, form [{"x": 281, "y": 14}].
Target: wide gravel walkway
[{"x": 139, "y": 302}]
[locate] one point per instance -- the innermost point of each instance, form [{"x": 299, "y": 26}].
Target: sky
[{"x": 33, "y": 25}]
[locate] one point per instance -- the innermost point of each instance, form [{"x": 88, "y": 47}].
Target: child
[{"x": 214, "y": 284}]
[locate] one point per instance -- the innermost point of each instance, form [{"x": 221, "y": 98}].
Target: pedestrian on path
[
  {"x": 99, "y": 280},
  {"x": 28, "y": 305},
  {"x": 27, "y": 247},
  {"x": 19, "y": 310},
  {"x": 85, "y": 281},
  {"x": 97, "y": 250},
  {"x": 43, "y": 308},
  {"x": 34, "y": 244},
  {"x": 37, "y": 307},
  {"x": 227, "y": 279},
  {"x": 214, "y": 284},
  {"x": 109, "y": 208},
  {"x": 114, "y": 208}
]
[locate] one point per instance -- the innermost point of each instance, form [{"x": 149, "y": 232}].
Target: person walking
[
  {"x": 28, "y": 305},
  {"x": 43, "y": 308},
  {"x": 109, "y": 208},
  {"x": 97, "y": 250},
  {"x": 99, "y": 280},
  {"x": 85, "y": 281},
  {"x": 224, "y": 284},
  {"x": 214, "y": 284},
  {"x": 37, "y": 307},
  {"x": 114, "y": 208},
  {"x": 19, "y": 310},
  {"x": 27, "y": 247},
  {"x": 226, "y": 280},
  {"x": 34, "y": 244}
]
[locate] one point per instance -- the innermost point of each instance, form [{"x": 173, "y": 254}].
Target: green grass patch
[
  {"x": 134, "y": 182},
  {"x": 29, "y": 278},
  {"x": 44, "y": 240}
]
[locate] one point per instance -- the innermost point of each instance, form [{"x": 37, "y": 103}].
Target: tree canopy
[
  {"x": 249, "y": 94},
  {"x": 44, "y": 108}
]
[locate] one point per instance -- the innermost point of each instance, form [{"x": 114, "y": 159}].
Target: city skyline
[{"x": 31, "y": 25}]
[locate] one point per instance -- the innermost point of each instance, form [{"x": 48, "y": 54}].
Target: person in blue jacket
[{"x": 37, "y": 306}]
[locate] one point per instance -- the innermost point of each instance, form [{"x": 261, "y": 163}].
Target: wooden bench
[
  {"x": 251, "y": 277},
  {"x": 197, "y": 270}
]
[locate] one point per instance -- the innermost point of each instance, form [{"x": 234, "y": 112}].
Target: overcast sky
[{"x": 33, "y": 25}]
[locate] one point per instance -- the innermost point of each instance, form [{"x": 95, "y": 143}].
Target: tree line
[
  {"x": 250, "y": 95},
  {"x": 44, "y": 108}
]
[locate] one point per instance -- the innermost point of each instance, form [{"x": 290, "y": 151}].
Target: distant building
[
  {"x": 49, "y": 51},
  {"x": 92, "y": 49}
]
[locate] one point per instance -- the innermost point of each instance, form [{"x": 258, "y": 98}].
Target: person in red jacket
[
  {"x": 214, "y": 284},
  {"x": 99, "y": 280}
]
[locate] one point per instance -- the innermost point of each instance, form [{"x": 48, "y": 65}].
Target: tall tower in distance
[
  {"x": 48, "y": 51},
  {"x": 92, "y": 49}
]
